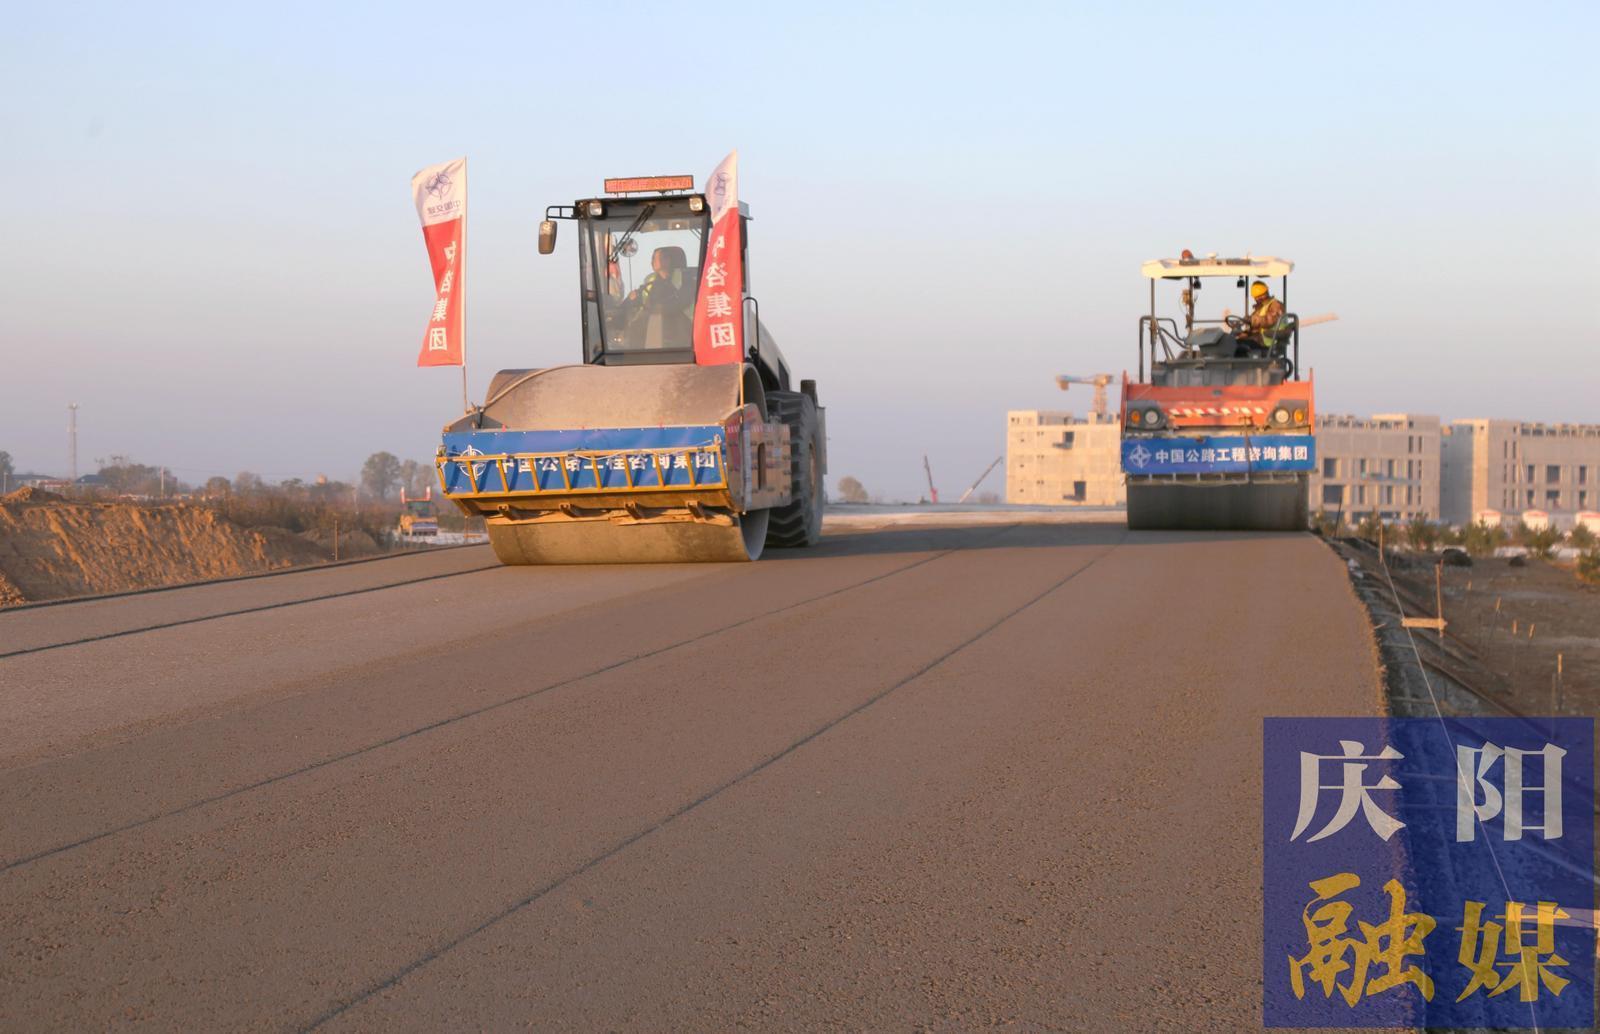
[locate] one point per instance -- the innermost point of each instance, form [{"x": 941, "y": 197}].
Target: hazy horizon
[{"x": 212, "y": 247}]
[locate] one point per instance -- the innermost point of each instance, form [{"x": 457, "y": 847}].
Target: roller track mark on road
[
  {"x": 622, "y": 845},
  {"x": 243, "y": 610},
  {"x": 464, "y": 715}
]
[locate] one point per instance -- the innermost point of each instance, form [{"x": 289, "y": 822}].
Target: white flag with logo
[{"x": 440, "y": 192}]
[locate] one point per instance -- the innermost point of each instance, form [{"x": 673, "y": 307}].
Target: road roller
[
  {"x": 682, "y": 435},
  {"x": 1219, "y": 434}
]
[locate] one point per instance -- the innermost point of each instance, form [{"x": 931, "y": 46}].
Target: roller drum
[
  {"x": 1256, "y": 506},
  {"x": 580, "y": 397},
  {"x": 608, "y": 542}
]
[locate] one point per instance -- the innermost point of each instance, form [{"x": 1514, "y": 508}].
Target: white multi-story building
[
  {"x": 1401, "y": 465},
  {"x": 1054, "y": 459},
  {"x": 1388, "y": 462},
  {"x": 1511, "y": 467}
]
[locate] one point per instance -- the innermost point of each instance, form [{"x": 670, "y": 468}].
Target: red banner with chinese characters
[
  {"x": 719, "y": 308},
  {"x": 441, "y": 195}
]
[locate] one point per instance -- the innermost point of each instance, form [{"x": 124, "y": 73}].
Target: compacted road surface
[{"x": 920, "y": 776}]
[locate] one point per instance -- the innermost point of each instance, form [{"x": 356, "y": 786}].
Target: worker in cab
[
  {"x": 658, "y": 312},
  {"x": 1266, "y": 321}
]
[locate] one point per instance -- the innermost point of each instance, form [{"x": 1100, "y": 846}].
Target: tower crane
[{"x": 1099, "y": 380}]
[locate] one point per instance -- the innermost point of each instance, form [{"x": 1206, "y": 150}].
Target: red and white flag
[
  {"x": 441, "y": 195},
  {"x": 719, "y": 309}
]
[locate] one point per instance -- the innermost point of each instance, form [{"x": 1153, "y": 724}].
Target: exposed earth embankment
[{"x": 51, "y": 547}]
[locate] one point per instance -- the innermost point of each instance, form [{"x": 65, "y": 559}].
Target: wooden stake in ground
[
  {"x": 1438, "y": 598},
  {"x": 1435, "y": 623}
]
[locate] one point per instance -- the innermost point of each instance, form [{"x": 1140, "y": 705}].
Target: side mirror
[{"x": 547, "y": 236}]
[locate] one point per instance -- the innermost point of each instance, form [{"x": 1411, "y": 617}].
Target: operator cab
[
  {"x": 640, "y": 249},
  {"x": 639, "y": 264},
  {"x": 1217, "y": 351}
]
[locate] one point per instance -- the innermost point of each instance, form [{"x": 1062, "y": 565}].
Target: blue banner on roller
[
  {"x": 1226, "y": 454},
  {"x": 592, "y": 459}
]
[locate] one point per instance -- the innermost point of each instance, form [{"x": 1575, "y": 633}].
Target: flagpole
[{"x": 466, "y": 402}]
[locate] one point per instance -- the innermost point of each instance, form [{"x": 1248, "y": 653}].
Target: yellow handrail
[{"x": 596, "y": 460}]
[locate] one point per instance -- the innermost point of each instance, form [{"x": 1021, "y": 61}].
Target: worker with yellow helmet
[{"x": 1266, "y": 317}]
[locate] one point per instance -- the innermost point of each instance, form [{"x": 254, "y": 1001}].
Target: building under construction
[{"x": 1053, "y": 458}]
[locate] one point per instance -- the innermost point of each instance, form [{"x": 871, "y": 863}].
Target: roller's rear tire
[{"x": 799, "y": 523}]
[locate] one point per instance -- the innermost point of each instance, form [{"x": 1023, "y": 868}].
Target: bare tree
[
  {"x": 218, "y": 486},
  {"x": 851, "y": 490},
  {"x": 380, "y": 475},
  {"x": 126, "y": 477},
  {"x": 330, "y": 492},
  {"x": 416, "y": 478},
  {"x": 245, "y": 482}
]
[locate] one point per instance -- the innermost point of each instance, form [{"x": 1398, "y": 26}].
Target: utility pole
[{"x": 72, "y": 441}]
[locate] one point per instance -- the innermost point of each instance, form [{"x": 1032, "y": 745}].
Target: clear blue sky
[{"x": 210, "y": 242}]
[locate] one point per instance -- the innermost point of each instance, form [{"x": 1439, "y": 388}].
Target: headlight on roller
[{"x": 1146, "y": 418}]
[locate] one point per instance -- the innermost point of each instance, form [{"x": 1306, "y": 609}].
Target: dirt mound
[
  {"x": 10, "y": 595},
  {"x": 29, "y": 494},
  {"x": 51, "y": 548}
]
